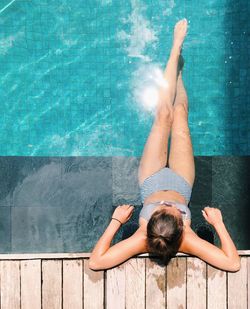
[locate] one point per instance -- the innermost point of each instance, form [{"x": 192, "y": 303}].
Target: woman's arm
[
  {"x": 227, "y": 245},
  {"x": 104, "y": 242},
  {"x": 226, "y": 257},
  {"x": 119, "y": 252},
  {"x": 103, "y": 256}
]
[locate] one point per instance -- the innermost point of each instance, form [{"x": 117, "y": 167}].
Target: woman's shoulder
[
  {"x": 187, "y": 238},
  {"x": 141, "y": 234}
]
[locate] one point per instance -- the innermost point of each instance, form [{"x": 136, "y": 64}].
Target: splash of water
[
  {"x": 147, "y": 81},
  {"x": 141, "y": 33}
]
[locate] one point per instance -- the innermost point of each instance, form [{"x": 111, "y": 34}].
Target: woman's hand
[
  {"x": 123, "y": 213},
  {"x": 212, "y": 215}
]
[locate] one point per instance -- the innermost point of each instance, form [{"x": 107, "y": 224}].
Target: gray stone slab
[
  {"x": 202, "y": 187},
  {"x": 8, "y": 179},
  {"x": 65, "y": 204},
  {"x": 125, "y": 182},
  {"x": 38, "y": 182},
  {"x": 83, "y": 225},
  {"x": 202, "y": 190},
  {"x": 30, "y": 181},
  {"x": 36, "y": 229},
  {"x": 5, "y": 229},
  {"x": 230, "y": 193},
  {"x": 86, "y": 180}
]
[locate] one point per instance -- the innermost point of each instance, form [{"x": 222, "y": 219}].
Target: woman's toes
[{"x": 181, "y": 23}]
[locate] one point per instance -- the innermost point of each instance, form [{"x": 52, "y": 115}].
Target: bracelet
[{"x": 117, "y": 220}]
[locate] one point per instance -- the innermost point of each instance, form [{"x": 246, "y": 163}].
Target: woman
[{"x": 165, "y": 218}]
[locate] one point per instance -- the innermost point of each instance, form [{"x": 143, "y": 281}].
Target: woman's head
[{"x": 164, "y": 232}]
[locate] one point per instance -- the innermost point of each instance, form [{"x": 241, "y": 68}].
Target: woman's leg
[
  {"x": 155, "y": 151},
  {"x": 181, "y": 158}
]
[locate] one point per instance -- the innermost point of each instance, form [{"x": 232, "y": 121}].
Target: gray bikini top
[{"x": 147, "y": 210}]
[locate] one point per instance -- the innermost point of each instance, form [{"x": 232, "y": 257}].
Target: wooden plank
[
  {"x": 72, "y": 284},
  {"x": 93, "y": 287},
  {"x": 31, "y": 284},
  {"x": 155, "y": 284},
  {"x": 10, "y": 284},
  {"x": 115, "y": 288},
  {"x": 135, "y": 283},
  {"x": 176, "y": 283},
  {"x": 51, "y": 284},
  {"x": 32, "y": 256},
  {"x": 45, "y": 256},
  {"x": 237, "y": 287},
  {"x": 216, "y": 288},
  {"x": 196, "y": 283}
]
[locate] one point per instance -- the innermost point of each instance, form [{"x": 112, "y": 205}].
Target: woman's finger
[
  {"x": 204, "y": 214},
  {"x": 205, "y": 210}
]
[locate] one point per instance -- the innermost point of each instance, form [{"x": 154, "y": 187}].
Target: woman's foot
[{"x": 180, "y": 31}]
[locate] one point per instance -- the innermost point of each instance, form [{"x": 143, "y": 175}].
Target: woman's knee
[
  {"x": 181, "y": 110},
  {"x": 165, "y": 114}
]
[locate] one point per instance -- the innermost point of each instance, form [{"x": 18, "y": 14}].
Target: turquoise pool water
[{"x": 71, "y": 72}]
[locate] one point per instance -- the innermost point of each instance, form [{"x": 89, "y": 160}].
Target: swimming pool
[
  {"x": 71, "y": 72},
  {"x": 73, "y": 125}
]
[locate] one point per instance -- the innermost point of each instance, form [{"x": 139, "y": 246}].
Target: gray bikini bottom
[{"x": 165, "y": 179}]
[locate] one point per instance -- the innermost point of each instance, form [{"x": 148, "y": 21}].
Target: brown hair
[{"x": 164, "y": 234}]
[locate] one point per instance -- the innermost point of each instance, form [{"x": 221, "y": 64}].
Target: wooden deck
[{"x": 53, "y": 281}]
